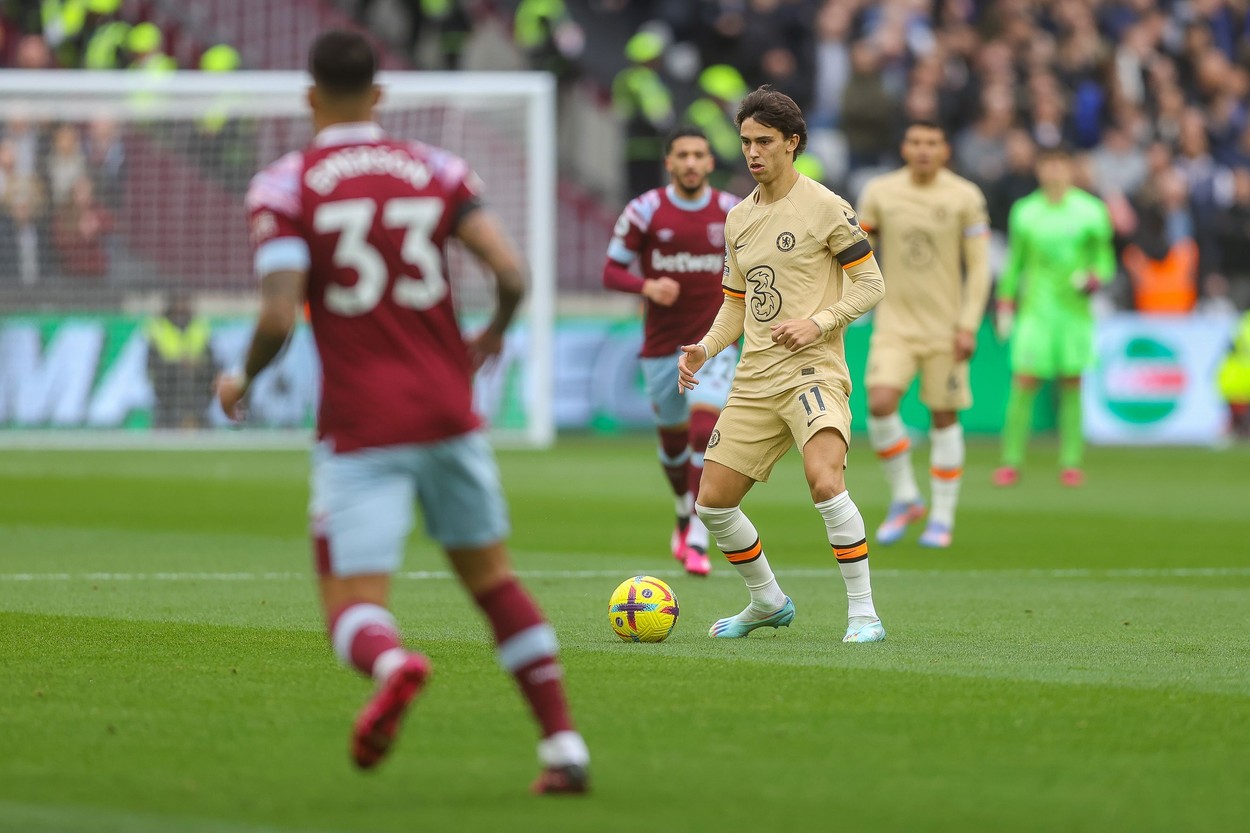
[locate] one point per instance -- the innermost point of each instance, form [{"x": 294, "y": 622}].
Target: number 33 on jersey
[{"x": 367, "y": 217}]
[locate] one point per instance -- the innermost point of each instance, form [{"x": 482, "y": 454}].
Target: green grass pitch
[{"x": 1080, "y": 661}]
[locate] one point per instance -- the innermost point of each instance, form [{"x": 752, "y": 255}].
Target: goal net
[{"x": 125, "y": 267}]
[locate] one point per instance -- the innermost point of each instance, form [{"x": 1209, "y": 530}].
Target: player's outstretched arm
[
  {"x": 726, "y": 330},
  {"x": 483, "y": 234},
  {"x": 693, "y": 357},
  {"x": 282, "y": 293}
]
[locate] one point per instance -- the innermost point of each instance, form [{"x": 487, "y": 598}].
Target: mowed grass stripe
[
  {"x": 1077, "y": 662},
  {"x": 264, "y": 738}
]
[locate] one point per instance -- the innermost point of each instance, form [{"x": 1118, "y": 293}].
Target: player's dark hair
[
  {"x": 683, "y": 133},
  {"x": 342, "y": 62},
  {"x": 1059, "y": 151},
  {"x": 776, "y": 110},
  {"x": 927, "y": 124}
]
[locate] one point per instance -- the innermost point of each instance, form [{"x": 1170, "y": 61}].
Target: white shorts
[
  {"x": 672, "y": 407},
  {"x": 362, "y": 501}
]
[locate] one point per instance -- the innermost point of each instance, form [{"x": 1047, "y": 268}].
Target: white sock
[
  {"x": 563, "y": 749},
  {"x": 946, "y": 468},
  {"x": 387, "y": 662},
  {"x": 888, "y": 437},
  {"x": 737, "y": 538},
  {"x": 684, "y": 505},
  {"x": 697, "y": 536},
  {"x": 845, "y": 527}
]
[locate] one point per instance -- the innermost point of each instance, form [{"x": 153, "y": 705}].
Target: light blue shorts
[
  {"x": 362, "y": 501},
  {"x": 672, "y": 407}
]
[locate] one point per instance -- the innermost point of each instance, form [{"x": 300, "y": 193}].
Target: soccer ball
[{"x": 643, "y": 609}]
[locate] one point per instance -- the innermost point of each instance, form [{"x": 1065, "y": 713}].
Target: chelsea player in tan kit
[
  {"x": 798, "y": 269},
  {"x": 932, "y": 231}
]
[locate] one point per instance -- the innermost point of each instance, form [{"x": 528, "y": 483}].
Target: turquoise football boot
[
  {"x": 736, "y": 627},
  {"x": 862, "y": 629},
  {"x": 897, "y": 518},
  {"x": 936, "y": 536}
]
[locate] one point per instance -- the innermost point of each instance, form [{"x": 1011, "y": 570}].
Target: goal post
[{"x": 122, "y": 206}]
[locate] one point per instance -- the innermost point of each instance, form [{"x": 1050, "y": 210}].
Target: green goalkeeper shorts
[{"x": 1052, "y": 347}]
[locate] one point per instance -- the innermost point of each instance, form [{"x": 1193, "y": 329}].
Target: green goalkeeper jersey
[{"x": 1053, "y": 248}]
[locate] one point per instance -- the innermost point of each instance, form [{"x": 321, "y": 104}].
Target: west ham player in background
[
  {"x": 677, "y": 234},
  {"x": 356, "y": 223}
]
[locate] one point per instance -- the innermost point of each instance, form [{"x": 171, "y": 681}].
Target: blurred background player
[
  {"x": 929, "y": 226},
  {"x": 798, "y": 269},
  {"x": 677, "y": 235},
  {"x": 363, "y": 242},
  {"x": 1060, "y": 246}
]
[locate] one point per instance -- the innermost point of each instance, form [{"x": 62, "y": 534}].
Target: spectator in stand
[
  {"x": 33, "y": 53},
  {"x": 1232, "y": 233},
  {"x": 23, "y": 238},
  {"x": 1162, "y": 259},
  {"x": 980, "y": 149},
  {"x": 833, "y": 64},
  {"x": 80, "y": 230},
  {"x": 868, "y": 110},
  {"x": 1209, "y": 184},
  {"x": 1118, "y": 163},
  {"x": 644, "y": 106},
  {"x": 106, "y": 159},
  {"x": 1018, "y": 181},
  {"x": 66, "y": 163}
]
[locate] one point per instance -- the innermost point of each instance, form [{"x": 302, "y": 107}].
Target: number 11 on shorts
[{"x": 820, "y": 402}]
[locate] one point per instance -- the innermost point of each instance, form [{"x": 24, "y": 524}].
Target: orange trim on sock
[
  {"x": 745, "y": 555},
  {"x": 847, "y": 553},
  {"x": 947, "y": 474},
  {"x": 898, "y": 448}
]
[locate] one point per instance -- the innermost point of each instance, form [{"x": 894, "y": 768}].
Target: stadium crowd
[{"x": 1152, "y": 96}]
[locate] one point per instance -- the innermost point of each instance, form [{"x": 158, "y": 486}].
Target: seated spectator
[
  {"x": 1232, "y": 233},
  {"x": 1017, "y": 181},
  {"x": 868, "y": 110},
  {"x": 23, "y": 242},
  {"x": 106, "y": 159},
  {"x": 66, "y": 163},
  {"x": 80, "y": 229},
  {"x": 1119, "y": 166}
]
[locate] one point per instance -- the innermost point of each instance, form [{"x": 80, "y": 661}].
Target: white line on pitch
[{"x": 442, "y": 575}]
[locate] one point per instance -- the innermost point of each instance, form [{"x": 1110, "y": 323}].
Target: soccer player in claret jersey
[
  {"x": 931, "y": 230},
  {"x": 677, "y": 234},
  {"x": 1060, "y": 246},
  {"x": 356, "y": 223},
  {"x": 798, "y": 269}
]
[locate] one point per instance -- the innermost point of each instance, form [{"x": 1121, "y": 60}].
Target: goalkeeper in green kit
[{"x": 1060, "y": 252}]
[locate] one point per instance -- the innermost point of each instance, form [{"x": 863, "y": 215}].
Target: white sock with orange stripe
[
  {"x": 888, "y": 437},
  {"x": 946, "y": 467},
  {"x": 849, "y": 541},
  {"x": 738, "y": 540}
]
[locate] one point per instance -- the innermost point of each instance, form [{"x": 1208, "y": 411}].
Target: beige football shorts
[
  {"x": 944, "y": 385},
  {"x": 751, "y": 435}
]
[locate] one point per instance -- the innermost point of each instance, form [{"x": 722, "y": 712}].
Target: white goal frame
[{"x": 183, "y": 94}]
